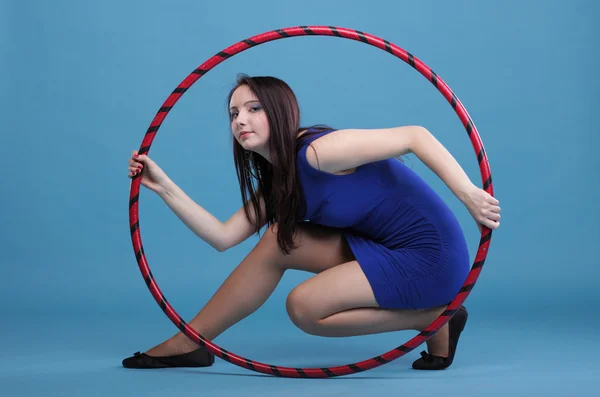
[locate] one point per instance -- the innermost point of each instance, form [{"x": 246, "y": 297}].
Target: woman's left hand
[{"x": 484, "y": 208}]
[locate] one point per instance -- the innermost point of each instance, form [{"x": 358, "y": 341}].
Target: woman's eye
[{"x": 255, "y": 108}]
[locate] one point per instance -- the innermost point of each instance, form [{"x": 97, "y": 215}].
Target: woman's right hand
[{"x": 153, "y": 177}]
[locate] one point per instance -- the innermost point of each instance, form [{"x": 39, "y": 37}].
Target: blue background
[{"x": 81, "y": 82}]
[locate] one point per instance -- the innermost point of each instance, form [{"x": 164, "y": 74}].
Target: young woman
[{"x": 387, "y": 252}]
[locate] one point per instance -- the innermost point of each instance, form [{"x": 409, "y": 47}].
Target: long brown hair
[{"x": 275, "y": 181}]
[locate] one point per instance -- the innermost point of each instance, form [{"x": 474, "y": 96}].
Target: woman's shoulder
[{"x": 307, "y": 135}]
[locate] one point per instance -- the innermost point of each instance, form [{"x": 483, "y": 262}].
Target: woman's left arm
[
  {"x": 483, "y": 207},
  {"x": 346, "y": 149}
]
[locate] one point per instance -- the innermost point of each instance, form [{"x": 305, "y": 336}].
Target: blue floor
[{"x": 77, "y": 355}]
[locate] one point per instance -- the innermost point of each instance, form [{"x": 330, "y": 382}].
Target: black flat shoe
[
  {"x": 195, "y": 358},
  {"x": 456, "y": 326}
]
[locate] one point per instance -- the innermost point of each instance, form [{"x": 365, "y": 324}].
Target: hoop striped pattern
[{"x": 347, "y": 369}]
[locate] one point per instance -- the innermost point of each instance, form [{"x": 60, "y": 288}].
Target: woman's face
[{"x": 249, "y": 124}]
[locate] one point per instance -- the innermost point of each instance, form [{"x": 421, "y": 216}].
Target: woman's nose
[{"x": 241, "y": 118}]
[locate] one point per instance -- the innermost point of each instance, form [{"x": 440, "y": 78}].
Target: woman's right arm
[
  {"x": 219, "y": 235},
  {"x": 237, "y": 227}
]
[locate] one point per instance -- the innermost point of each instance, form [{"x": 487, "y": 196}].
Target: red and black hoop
[{"x": 311, "y": 372}]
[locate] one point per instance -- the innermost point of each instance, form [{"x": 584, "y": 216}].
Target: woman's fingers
[
  {"x": 489, "y": 219},
  {"x": 135, "y": 163},
  {"x": 493, "y": 216},
  {"x": 134, "y": 166},
  {"x": 493, "y": 225}
]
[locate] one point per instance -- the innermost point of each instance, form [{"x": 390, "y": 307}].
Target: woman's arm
[
  {"x": 346, "y": 149},
  {"x": 437, "y": 158},
  {"x": 219, "y": 235},
  {"x": 195, "y": 217},
  {"x": 483, "y": 207}
]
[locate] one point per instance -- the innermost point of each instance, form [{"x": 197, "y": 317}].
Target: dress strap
[{"x": 303, "y": 148}]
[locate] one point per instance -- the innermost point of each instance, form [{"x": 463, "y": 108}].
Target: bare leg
[
  {"x": 336, "y": 302},
  {"x": 256, "y": 277},
  {"x": 340, "y": 302}
]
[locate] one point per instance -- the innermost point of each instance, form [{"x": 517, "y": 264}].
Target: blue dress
[{"x": 406, "y": 240}]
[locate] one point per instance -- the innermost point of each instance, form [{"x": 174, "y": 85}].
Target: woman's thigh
[
  {"x": 335, "y": 290},
  {"x": 318, "y": 248}
]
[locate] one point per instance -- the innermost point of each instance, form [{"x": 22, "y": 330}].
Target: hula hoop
[{"x": 311, "y": 372}]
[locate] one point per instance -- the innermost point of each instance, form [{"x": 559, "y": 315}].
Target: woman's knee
[{"x": 301, "y": 310}]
